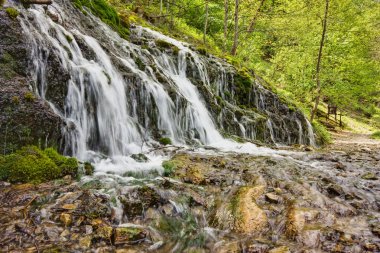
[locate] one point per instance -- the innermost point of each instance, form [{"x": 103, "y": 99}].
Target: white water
[{"x": 102, "y": 109}]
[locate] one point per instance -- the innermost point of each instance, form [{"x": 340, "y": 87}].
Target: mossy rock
[
  {"x": 12, "y": 12},
  {"x": 30, "y": 164},
  {"x": 165, "y": 141}
]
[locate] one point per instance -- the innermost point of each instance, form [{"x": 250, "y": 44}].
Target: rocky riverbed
[{"x": 319, "y": 201}]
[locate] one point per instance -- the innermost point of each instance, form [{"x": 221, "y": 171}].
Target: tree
[
  {"x": 318, "y": 70},
  {"x": 254, "y": 18},
  {"x": 225, "y": 30},
  {"x": 236, "y": 29},
  {"x": 206, "y": 20}
]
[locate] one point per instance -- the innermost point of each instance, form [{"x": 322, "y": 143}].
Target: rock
[
  {"x": 273, "y": 198},
  {"x": 85, "y": 242},
  {"x": 156, "y": 246},
  {"x": 69, "y": 206},
  {"x": 65, "y": 218},
  {"x": 232, "y": 247},
  {"x": 104, "y": 231},
  {"x": 282, "y": 249},
  {"x": 369, "y": 176},
  {"x": 248, "y": 217},
  {"x": 127, "y": 251},
  {"x": 128, "y": 235},
  {"x": 88, "y": 229},
  {"x": 141, "y": 158}
]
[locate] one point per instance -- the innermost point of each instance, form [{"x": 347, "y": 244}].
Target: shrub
[
  {"x": 165, "y": 141},
  {"x": 29, "y": 96},
  {"x": 30, "y": 164},
  {"x": 12, "y": 12},
  {"x": 169, "y": 168},
  {"x": 323, "y": 136}
]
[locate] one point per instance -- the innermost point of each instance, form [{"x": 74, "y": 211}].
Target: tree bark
[
  {"x": 206, "y": 20},
  {"x": 314, "y": 111},
  {"x": 225, "y": 24},
  {"x": 253, "y": 21},
  {"x": 236, "y": 32}
]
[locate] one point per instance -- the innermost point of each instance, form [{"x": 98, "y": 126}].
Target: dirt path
[{"x": 348, "y": 141}]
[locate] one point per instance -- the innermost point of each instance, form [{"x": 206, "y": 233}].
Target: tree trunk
[
  {"x": 236, "y": 32},
  {"x": 314, "y": 111},
  {"x": 206, "y": 20},
  {"x": 253, "y": 21},
  {"x": 225, "y": 24}
]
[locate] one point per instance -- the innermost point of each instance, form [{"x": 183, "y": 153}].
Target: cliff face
[
  {"x": 24, "y": 117},
  {"x": 69, "y": 81}
]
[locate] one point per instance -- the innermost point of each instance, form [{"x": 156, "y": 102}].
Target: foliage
[
  {"x": 376, "y": 135},
  {"x": 169, "y": 168},
  {"x": 12, "y": 12},
  {"x": 323, "y": 136},
  {"x": 29, "y": 96},
  {"x": 106, "y": 13},
  {"x": 30, "y": 164}
]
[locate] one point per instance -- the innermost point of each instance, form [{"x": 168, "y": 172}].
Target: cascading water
[{"x": 119, "y": 97}]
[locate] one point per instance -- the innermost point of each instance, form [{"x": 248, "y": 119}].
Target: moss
[
  {"x": 12, "y": 12},
  {"x": 163, "y": 44},
  {"x": 201, "y": 50},
  {"x": 165, "y": 141},
  {"x": 68, "y": 38},
  {"x": 169, "y": 167},
  {"x": 106, "y": 13},
  {"x": 29, "y": 96},
  {"x": 2, "y": 2},
  {"x": 15, "y": 100},
  {"x": 30, "y": 164},
  {"x": 88, "y": 168},
  {"x": 140, "y": 64}
]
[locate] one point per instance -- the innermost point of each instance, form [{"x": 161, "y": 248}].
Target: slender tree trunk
[
  {"x": 252, "y": 24},
  {"x": 172, "y": 14},
  {"x": 161, "y": 7},
  {"x": 314, "y": 111},
  {"x": 236, "y": 32},
  {"x": 225, "y": 24},
  {"x": 206, "y": 20}
]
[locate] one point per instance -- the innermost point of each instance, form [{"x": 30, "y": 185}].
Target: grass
[{"x": 376, "y": 135}]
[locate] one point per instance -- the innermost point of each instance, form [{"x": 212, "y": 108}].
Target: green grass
[
  {"x": 323, "y": 136},
  {"x": 12, "y": 12},
  {"x": 376, "y": 135}
]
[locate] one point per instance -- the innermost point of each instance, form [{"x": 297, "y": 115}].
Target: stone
[
  {"x": 273, "y": 198},
  {"x": 282, "y": 249},
  {"x": 128, "y": 234},
  {"x": 369, "y": 176},
  {"x": 69, "y": 206},
  {"x": 141, "y": 158},
  {"x": 88, "y": 229},
  {"x": 85, "y": 242},
  {"x": 65, "y": 218},
  {"x": 248, "y": 217},
  {"x": 104, "y": 231}
]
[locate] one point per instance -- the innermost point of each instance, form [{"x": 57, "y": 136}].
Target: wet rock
[
  {"x": 369, "y": 176},
  {"x": 282, "y": 249},
  {"x": 140, "y": 158},
  {"x": 273, "y": 198},
  {"x": 125, "y": 235},
  {"x": 85, "y": 242},
  {"x": 66, "y": 219},
  {"x": 248, "y": 217},
  {"x": 104, "y": 232},
  {"x": 156, "y": 246}
]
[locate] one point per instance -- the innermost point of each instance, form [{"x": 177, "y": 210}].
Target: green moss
[
  {"x": 140, "y": 64},
  {"x": 30, "y": 164},
  {"x": 68, "y": 38},
  {"x": 12, "y": 12},
  {"x": 88, "y": 168},
  {"x": 15, "y": 100},
  {"x": 29, "y": 96},
  {"x": 169, "y": 167},
  {"x": 163, "y": 44},
  {"x": 165, "y": 141},
  {"x": 106, "y": 13},
  {"x": 376, "y": 135},
  {"x": 2, "y": 2}
]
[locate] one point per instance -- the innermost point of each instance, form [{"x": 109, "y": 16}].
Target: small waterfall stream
[{"x": 118, "y": 97}]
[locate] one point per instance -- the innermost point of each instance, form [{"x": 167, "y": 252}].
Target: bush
[
  {"x": 12, "y": 12},
  {"x": 30, "y": 164},
  {"x": 165, "y": 141},
  {"x": 29, "y": 96},
  {"x": 169, "y": 168},
  {"x": 323, "y": 136}
]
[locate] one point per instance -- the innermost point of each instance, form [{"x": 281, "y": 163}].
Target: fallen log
[{"x": 37, "y": 2}]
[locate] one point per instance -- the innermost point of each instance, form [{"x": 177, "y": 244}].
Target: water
[{"x": 120, "y": 97}]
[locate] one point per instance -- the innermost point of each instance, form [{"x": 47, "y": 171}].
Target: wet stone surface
[{"x": 297, "y": 202}]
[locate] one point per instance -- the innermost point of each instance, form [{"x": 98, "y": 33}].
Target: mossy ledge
[{"x": 31, "y": 164}]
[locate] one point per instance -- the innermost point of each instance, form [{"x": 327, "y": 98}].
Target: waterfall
[{"x": 118, "y": 97}]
